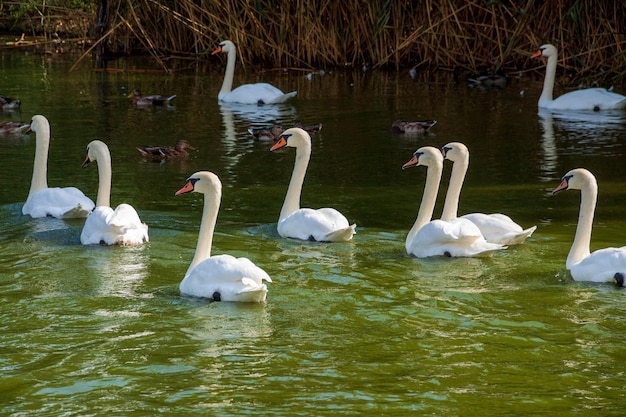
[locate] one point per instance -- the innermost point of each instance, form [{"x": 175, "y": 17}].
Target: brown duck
[
  {"x": 272, "y": 133},
  {"x": 8, "y": 103},
  {"x": 144, "y": 101},
  {"x": 161, "y": 153},
  {"x": 402, "y": 126},
  {"x": 12, "y": 128}
]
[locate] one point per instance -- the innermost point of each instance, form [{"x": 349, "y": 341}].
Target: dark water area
[{"x": 349, "y": 328}]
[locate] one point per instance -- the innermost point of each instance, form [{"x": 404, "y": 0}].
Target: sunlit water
[{"x": 357, "y": 328}]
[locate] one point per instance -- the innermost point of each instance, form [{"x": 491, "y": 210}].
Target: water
[{"x": 348, "y": 329}]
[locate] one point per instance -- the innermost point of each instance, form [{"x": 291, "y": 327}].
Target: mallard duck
[
  {"x": 11, "y": 128},
  {"x": 8, "y": 103},
  {"x": 402, "y": 126},
  {"x": 144, "y": 101},
  {"x": 272, "y": 133},
  {"x": 161, "y": 153}
]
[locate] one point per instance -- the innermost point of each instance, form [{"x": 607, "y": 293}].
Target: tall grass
[{"x": 429, "y": 34}]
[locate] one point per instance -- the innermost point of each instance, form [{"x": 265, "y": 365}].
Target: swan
[
  {"x": 62, "y": 203},
  {"x": 106, "y": 226},
  {"x": 603, "y": 265},
  {"x": 221, "y": 277},
  {"x": 457, "y": 238},
  {"x": 588, "y": 99},
  {"x": 321, "y": 225},
  {"x": 495, "y": 227},
  {"x": 259, "y": 93}
]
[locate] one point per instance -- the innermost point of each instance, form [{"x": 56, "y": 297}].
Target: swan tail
[
  {"x": 170, "y": 98},
  {"x": 520, "y": 238},
  {"x": 341, "y": 235},
  {"x": 284, "y": 97}
]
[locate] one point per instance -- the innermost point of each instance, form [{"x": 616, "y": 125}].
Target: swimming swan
[
  {"x": 496, "y": 227},
  {"x": 221, "y": 277},
  {"x": 587, "y": 99},
  {"x": 457, "y": 238},
  {"x": 62, "y": 203},
  {"x": 259, "y": 93},
  {"x": 603, "y": 265},
  {"x": 104, "y": 225},
  {"x": 321, "y": 225}
]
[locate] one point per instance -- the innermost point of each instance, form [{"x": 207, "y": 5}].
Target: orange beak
[
  {"x": 414, "y": 161},
  {"x": 281, "y": 142},
  {"x": 187, "y": 188},
  {"x": 562, "y": 186},
  {"x": 536, "y": 54},
  {"x": 217, "y": 50},
  {"x": 86, "y": 162}
]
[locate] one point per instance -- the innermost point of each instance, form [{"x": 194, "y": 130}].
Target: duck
[
  {"x": 221, "y": 277},
  {"x": 272, "y": 133},
  {"x": 145, "y": 101},
  {"x": 427, "y": 237},
  {"x": 259, "y": 93},
  {"x": 106, "y": 226},
  {"x": 62, "y": 203},
  {"x": 161, "y": 153},
  {"x": 7, "y": 103},
  {"x": 321, "y": 225},
  {"x": 485, "y": 79},
  {"x": 594, "y": 99},
  {"x": 495, "y": 227},
  {"x": 12, "y": 128},
  {"x": 420, "y": 127},
  {"x": 603, "y": 265}
]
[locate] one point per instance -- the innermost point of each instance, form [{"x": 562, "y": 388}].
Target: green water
[{"x": 358, "y": 328}]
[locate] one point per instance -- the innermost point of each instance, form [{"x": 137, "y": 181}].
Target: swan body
[
  {"x": 419, "y": 127},
  {"x": 259, "y": 93},
  {"x": 588, "y": 99},
  {"x": 603, "y": 265},
  {"x": 62, "y": 203},
  {"x": 321, "y": 225},
  {"x": 496, "y": 227},
  {"x": 160, "y": 153},
  {"x": 108, "y": 226},
  {"x": 455, "y": 238},
  {"x": 221, "y": 277}
]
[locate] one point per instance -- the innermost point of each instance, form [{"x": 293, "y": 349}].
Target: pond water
[{"x": 348, "y": 329}]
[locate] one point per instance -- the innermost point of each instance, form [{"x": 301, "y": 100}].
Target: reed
[{"x": 430, "y": 34}]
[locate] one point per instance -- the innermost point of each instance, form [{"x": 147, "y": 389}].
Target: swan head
[
  {"x": 224, "y": 46},
  {"x": 576, "y": 179},
  {"x": 204, "y": 182},
  {"x": 546, "y": 50},
  {"x": 294, "y": 137},
  {"x": 455, "y": 151},
  {"x": 94, "y": 149},
  {"x": 427, "y": 155},
  {"x": 38, "y": 124}
]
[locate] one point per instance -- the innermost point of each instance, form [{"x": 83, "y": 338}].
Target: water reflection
[{"x": 120, "y": 271}]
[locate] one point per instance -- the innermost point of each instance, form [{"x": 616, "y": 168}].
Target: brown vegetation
[{"x": 429, "y": 34}]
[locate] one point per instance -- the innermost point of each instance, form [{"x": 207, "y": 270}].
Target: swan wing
[
  {"x": 588, "y": 99},
  {"x": 499, "y": 228},
  {"x": 457, "y": 238},
  {"x": 121, "y": 226},
  {"x": 600, "y": 266},
  {"x": 323, "y": 225},
  {"x": 235, "y": 279},
  {"x": 260, "y": 93},
  {"x": 62, "y": 203}
]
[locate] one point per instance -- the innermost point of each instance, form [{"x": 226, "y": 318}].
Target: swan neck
[
  {"x": 451, "y": 204},
  {"x": 104, "y": 179},
  {"x": 429, "y": 198},
  {"x": 548, "y": 81},
  {"x": 582, "y": 239},
  {"x": 207, "y": 227},
  {"x": 227, "y": 84},
  {"x": 292, "y": 199},
  {"x": 40, "y": 167}
]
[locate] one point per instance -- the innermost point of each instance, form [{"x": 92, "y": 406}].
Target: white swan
[
  {"x": 222, "y": 277},
  {"x": 259, "y": 93},
  {"x": 62, "y": 203},
  {"x": 587, "y": 99},
  {"x": 496, "y": 227},
  {"x": 603, "y": 265},
  {"x": 457, "y": 238},
  {"x": 321, "y": 225},
  {"x": 104, "y": 225}
]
